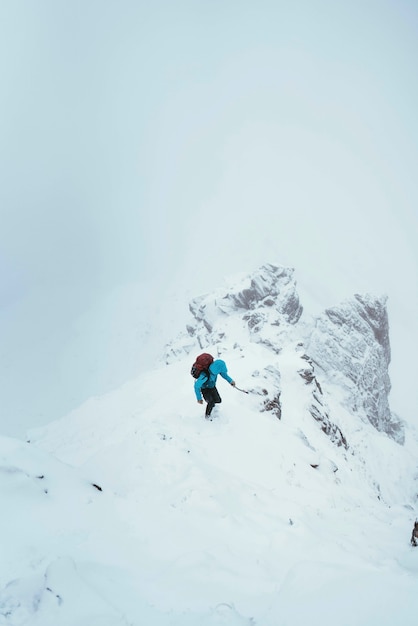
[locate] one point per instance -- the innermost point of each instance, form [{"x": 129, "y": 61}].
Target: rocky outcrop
[
  {"x": 264, "y": 300},
  {"x": 318, "y": 407},
  {"x": 268, "y": 387},
  {"x": 273, "y": 288},
  {"x": 350, "y": 343}
]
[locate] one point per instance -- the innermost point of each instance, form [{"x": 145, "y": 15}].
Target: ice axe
[{"x": 238, "y": 389}]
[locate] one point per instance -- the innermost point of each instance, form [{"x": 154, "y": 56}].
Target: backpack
[{"x": 201, "y": 365}]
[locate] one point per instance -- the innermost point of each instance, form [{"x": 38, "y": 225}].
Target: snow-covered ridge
[
  {"x": 279, "y": 511},
  {"x": 348, "y": 345}
]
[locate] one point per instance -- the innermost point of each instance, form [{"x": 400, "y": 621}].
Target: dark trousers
[{"x": 212, "y": 397}]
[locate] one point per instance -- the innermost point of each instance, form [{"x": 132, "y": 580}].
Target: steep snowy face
[{"x": 350, "y": 343}]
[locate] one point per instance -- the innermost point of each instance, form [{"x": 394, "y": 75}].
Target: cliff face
[
  {"x": 346, "y": 347},
  {"x": 350, "y": 344}
]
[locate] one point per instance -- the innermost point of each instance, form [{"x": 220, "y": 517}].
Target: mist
[{"x": 149, "y": 150}]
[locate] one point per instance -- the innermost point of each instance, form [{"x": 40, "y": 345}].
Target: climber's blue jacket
[{"x": 215, "y": 368}]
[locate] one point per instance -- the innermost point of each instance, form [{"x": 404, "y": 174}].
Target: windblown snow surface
[{"x": 134, "y": 510}]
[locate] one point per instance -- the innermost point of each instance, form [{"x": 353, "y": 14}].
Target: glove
[
  {"x": 233, "y": 383},
  {"x": 200, "y": 401}
]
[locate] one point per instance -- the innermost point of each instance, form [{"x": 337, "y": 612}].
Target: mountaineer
[{"x": 206, "y": 371}]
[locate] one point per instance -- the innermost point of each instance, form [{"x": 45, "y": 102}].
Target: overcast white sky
[{"x": 153, "y": 148}]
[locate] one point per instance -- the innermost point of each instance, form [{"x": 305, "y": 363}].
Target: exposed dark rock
[
  {"x": 414, "y": 536},
  {"x": 274, "y": 406},
  {"x": 307, "y": 375},
  {"x": 330, "y": 429},
  {"x": 254, "y": 320}
]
